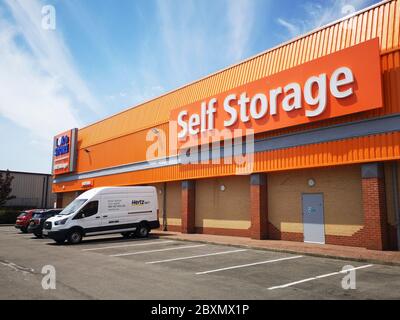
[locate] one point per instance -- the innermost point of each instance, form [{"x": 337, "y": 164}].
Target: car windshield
[
  {"x": 72, "y": 207},
  {"x": 36, "y": 215},
  {"x": 22, "y": 214}
]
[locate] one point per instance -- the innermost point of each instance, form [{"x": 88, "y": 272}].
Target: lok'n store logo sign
[{"x": 64, "y": 152}]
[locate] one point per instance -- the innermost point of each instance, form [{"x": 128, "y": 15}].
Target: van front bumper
[{"x": 58, "y": 235}]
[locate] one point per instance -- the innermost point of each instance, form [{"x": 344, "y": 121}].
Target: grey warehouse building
[{"x": 31, "y": 190}]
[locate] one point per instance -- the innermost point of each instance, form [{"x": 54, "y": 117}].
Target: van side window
[{"x": 88, "y": 210}]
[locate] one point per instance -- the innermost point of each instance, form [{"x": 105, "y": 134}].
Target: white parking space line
[
  {"x": 146, "y": 243},
  {"x": 249, "y": 265},
  {"x": 158, "y": 250},
  {"x": 198, "y": 256},
  {"x": 318, "y": 277}
]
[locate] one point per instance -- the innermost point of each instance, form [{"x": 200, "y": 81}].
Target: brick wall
[
  {"x": 375, "y": 218},
  {"x": 224, "y": 231},
  {"x": 356, "y": 240},
  {"x": 276, "y": 234}
]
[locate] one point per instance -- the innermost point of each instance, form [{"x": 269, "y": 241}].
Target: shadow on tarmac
[{"x": 110, "y": 240}]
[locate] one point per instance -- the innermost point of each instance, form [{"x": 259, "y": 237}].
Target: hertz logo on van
[{"x": 138, "y": 202}]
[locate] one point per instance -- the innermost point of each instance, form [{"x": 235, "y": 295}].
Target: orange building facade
[{"x": 325, "y": 155}]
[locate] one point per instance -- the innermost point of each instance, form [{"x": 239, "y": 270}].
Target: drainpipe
[
  {"x": 396, "y": 204},
  {"x": 164, "y": 215},
  {"x": 42, "y": 205},
  {"x": 47, "y": 192}
]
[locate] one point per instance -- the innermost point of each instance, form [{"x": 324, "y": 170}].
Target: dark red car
[{"x": 23, "y": 220}]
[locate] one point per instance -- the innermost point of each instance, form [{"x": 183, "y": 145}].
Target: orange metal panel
[
  {"x": 364, "y": 27},
  {"x": 396, "y": 31},
  {"x": 270, "y": 62},
  {"x": 390, "y": 32}
]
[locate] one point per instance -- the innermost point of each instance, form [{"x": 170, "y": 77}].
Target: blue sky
[{"x": 105, "y": 56}]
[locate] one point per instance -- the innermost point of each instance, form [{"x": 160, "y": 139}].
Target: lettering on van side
[
  {"x": 139, "y": 202},
  {"x": 115, "y": 205}
]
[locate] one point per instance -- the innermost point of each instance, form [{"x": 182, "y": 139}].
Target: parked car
[
  {"x": 39, "y": 217},
  {"x": 23, "y": 220},
  {"x": 126, "y": 210}
]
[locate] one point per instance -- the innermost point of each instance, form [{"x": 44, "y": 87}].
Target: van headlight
[{"x": 63, "y": 221}]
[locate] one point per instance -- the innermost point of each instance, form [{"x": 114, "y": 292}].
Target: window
[
  {"x": 73, "y": 206},
  {"x": 88, "y": 210}
]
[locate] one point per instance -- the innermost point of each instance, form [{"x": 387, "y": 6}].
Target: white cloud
[
  {"x": 333, "y": 10},
  {"x": 292, "y": 29},
  {"x": 50, "y": 51},
  {"x": 139, "y": 95},
  {"x": 240, "y": 16},
  {"x": 41, "y": 87},
  {"x": 192, "y": 33},
  {"x": 178, "y": 40},
  {"x": 318, "y": 15},
  {"x": 30, "y": 97}
]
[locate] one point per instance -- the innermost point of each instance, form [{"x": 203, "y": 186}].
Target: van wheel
[
  {"x": 38, "y": 235},
  {"x": 142, "y": 231},
  {"x": 75, "y": 237}
]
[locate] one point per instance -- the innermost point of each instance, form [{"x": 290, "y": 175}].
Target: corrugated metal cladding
[
  {"x": 32, "y": 190},
  {"x": 120, "y": 139},
  {"x": 382, "y": 21},
  {"x": 381, "y": 147}
]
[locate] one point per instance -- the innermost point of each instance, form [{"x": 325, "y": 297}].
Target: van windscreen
[{"x": 73, "y": 206}]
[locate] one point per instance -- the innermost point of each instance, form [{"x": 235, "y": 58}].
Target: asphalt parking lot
[{"x": 110, "y": 267}]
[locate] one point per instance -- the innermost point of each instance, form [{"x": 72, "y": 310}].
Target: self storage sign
[
  {"x": 338, "y": 84},
  {"x": 64, "y": 153}
]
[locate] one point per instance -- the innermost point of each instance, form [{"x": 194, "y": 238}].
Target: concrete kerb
[{"x": 310, "y": 254}]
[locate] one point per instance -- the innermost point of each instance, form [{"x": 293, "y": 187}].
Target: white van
[{"x": 126, "y": 210}]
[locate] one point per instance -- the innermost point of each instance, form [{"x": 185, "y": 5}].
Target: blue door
[{"x": 313, "y": 218}]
